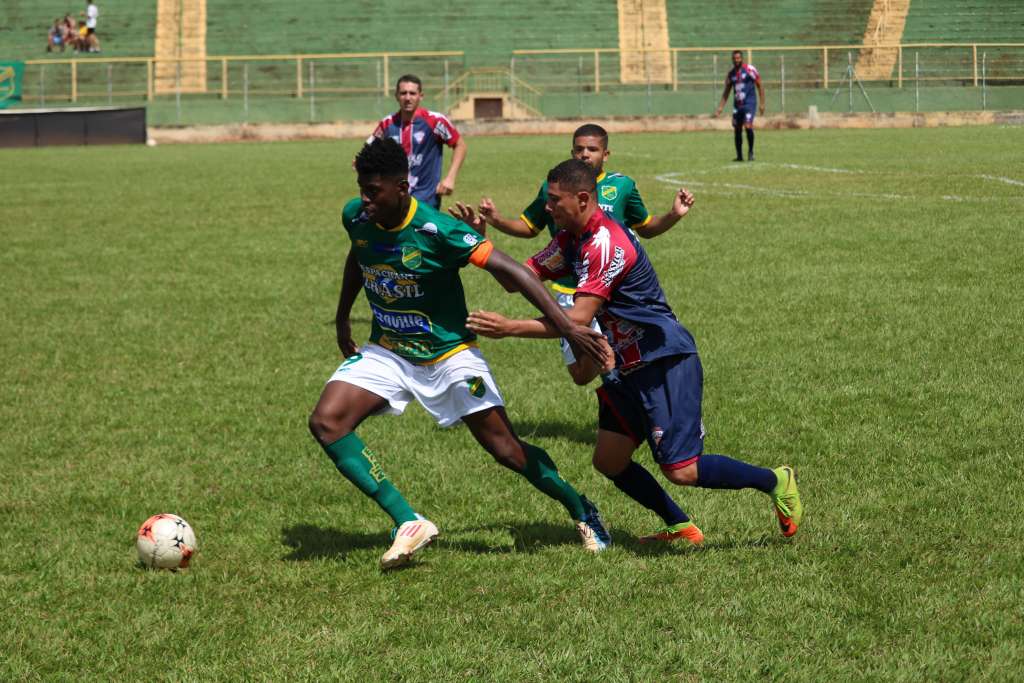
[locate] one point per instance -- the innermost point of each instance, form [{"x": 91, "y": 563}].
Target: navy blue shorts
[
  {"x": 660, "y": 403},
  {"x": 743, "y": 116}
]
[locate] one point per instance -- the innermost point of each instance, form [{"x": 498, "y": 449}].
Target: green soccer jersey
[
  {"x": 411, "y": 278},
  {"x": 616, "y": 195}
]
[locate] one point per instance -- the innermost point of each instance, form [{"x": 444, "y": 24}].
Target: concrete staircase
[
  {"x": 643, "y": 42},
  {"x": 180, "y": 47}
]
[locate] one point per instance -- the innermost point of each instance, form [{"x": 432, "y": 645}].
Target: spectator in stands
[
  {"x": 55, "y": 38},
  {"x": 91, "y": 14},
  {"x": 422, "y": 134}
]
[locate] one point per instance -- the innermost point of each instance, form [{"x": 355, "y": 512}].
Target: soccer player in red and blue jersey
[
  {"x": 743, "y": 79},
  {"x": 658, "y": 385},
  {"x": 422, "y": 134}
]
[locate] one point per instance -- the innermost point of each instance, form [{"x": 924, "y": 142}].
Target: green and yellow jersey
[
  {"x": 411, "y": 278},
  {"x": 617, "y": 196}
]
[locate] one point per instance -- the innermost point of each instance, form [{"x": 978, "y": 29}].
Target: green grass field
[{"x": 858, "y": 301}]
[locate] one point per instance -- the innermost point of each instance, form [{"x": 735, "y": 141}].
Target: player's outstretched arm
[
  {"x": 351, "y": 283},
  {"x": 660, "y": 224},
  {"x": 760, "y": 96},
  {"x": 515, "y": 277},
  {"x": 515, "y": 227}
]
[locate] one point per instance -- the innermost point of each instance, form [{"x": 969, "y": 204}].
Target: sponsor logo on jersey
[
  {"x": 609, "y": 192},
  {"x": 389, "y": 284},
  {"x": 615, "y": 267},
  {"x": 427, "y": 229},
  {"x": 656, "y": 434},
  {"x": 418, "y": 136},
  {"x": 411, "y": 257},
  {"x": 409, "y": 348},
  {"x": 476, "y": 386},
  {"x": 551, "y": 258},
  {"x": 470, "y": 239},
  {"x": 402, "y": 322},
  {"x": 582, "y": 271},
  {"x": 607, "y": 208}
]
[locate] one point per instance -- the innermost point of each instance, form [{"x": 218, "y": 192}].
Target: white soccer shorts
[
  {"x": 566, "y": 302},
  {"x": 449, "y": 389}
]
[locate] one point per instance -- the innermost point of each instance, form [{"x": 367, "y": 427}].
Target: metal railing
[
  {"x": 232, "y": 75},
  {"x": 562, "y": 82}
]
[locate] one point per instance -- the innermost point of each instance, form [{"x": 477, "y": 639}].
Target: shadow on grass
[
  {"x": 309, "y": 542},
  {"x": 550, "y": 429}
]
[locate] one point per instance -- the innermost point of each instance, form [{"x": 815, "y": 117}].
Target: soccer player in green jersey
[
  {"x": 407, "y": 256},
  {"x": 617, "y": 196}
]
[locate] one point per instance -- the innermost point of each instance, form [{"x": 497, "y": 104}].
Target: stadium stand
[
  {"x": 486, "y": 30},
  {"x": 126, "y": 27},
  {"x": 991, "y": 21}
]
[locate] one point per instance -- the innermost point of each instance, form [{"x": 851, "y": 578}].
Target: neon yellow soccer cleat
[{"x": 786, "y": 498}]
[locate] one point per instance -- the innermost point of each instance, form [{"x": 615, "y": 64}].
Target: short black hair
[
  {"x": 738, "y": 52},
  {"x": 591, "y": 130},
  {"x": 574, "y": 175},
  {"x": 383, "y": 157},
  {"x": 409, "y": 78}
]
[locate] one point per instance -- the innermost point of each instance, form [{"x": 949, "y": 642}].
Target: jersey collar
[
  {"x": 601, "y": 177},
  {"x": 413, "y": 205},
  {"x": 595, "y": 220}
]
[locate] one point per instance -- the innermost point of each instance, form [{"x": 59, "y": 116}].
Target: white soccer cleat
[{"x": 409, "y": 538}]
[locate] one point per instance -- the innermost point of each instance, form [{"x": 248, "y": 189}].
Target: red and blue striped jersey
[
  {"x": 743, "y": 79},
  {"x": 421, "y": 139},
  {"x": 609, "y": 263}
]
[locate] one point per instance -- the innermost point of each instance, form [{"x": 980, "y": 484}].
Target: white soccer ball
[{"x": 166, "y": 542}]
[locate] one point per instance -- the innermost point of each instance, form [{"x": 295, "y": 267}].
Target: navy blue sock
[
  {"x": 738, "y": 139},
  {"x": 750, "y": 141},
  {"x": 640, "y": 485},
  {"x": 722, "y": 472}
]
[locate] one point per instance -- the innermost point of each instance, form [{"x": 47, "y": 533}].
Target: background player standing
[
  {"x": 657, "y": 392},
  {"x": 421, "y": 133},
  {"x": 407, "y": 256},
  {"x": 742, "y": 79},
  {"x": 617, "y": 195}
]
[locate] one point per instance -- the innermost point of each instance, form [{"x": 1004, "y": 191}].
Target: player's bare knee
[
  {"x": 508, "y": 452},
  {"x": 684, "y": 476},
  {"x": 327, "y": 428}
]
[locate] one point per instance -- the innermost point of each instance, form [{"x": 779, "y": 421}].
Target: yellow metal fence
[{"x": 531, "y": 75}]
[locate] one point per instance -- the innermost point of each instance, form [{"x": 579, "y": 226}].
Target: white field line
[
  {"x": 683, "y": 178},
  {"x": 1001, "y": 179}
]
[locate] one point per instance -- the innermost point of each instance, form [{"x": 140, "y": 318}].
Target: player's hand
[
  {"x": 445, "y": 187},
  {"x": 466, "y": 214},
  {"x": 586, "y": 341},
  {"x": 345, "y": 343},
  {"x": 760, "y": 109},
  {"x": 487, "y": 324},
  {"x": 682, "y": 203},
  {"x": 718, "y": 111},
  {"x": 488, "y": 210}
]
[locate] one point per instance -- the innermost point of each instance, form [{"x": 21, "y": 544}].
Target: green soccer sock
[
  {"x": 540, "y": 471},
  {"x": 354, "y": 460}
]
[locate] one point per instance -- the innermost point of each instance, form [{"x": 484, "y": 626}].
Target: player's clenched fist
[{"x": 683, "y": 201}]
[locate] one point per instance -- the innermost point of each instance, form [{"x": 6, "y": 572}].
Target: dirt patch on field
[{"x": 266, "y": 132}]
